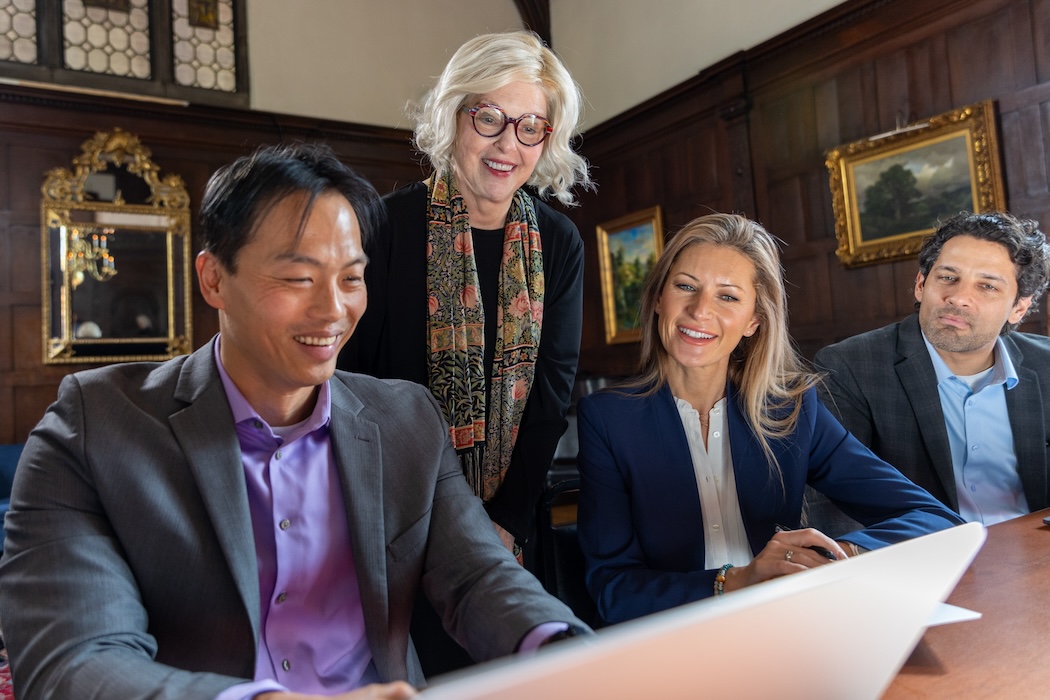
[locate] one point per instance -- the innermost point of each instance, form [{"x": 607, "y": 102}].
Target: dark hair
[
  {"x": 1024, "y": 242},
  {"x": 238, "y": 195}
]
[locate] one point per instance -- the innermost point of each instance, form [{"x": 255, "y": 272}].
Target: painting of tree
[
  {"x": 889, "y": 191},
  {"x": 633, "y": 254},
  {"x": 907, "y": 192},
  {"x": 628, "y": 248}
]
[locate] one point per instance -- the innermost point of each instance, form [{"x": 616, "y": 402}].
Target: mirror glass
[{"x": 116, "y": 257}]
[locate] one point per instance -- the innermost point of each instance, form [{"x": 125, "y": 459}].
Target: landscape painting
[{"x": 628, "y": 248}]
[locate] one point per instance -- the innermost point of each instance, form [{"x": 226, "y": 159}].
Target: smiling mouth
[
  {"x": 699, "y": 335},
  {"x": 501, "y": 167},
  {"x": 320, "y": 341}
]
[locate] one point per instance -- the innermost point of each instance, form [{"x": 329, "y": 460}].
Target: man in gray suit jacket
[
  {"x": 953, "y": 396},
  {"x": 245, "y": 521}
]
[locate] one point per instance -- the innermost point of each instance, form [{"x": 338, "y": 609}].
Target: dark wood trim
[
  {"x": 851, "y": 31},
  {"x": 536, "y": 14},
  {"x": 287, "y": 126},
  {"x": 701, "y": 93}
]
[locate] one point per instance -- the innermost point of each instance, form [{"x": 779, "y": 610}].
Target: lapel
[
  {"x": 359, "y": 459},
  {"x": 208, "y": 439},
  {"x": 666, "y": 464},
  {"x": 761, "y": 496},
  {"x": 919, "y": 381},
  {"x": 1024, "y": 405}
]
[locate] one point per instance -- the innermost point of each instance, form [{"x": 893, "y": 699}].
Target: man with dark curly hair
[{"x": 953, "y": 395}]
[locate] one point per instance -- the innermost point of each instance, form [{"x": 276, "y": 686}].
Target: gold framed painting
[
  {"x": 889, "y": 191},
  {"x": 627, "y": 248}
]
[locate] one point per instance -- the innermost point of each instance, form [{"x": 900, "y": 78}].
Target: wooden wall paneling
[
  {"x": 1040, "y": 10},
  {"x": 808, "y": 299},
  {"x": 991, "y": 55},
  {"x": 7, "y": 339},
  {"x": 929, "y": 92},
  {"x": 851, "y": 33},
  {"x": 891, "y": 88},
  {"x": 30, "y": 402},
  {"x": 784, "y": 215},
  {"x": 1024, "y": 120}
]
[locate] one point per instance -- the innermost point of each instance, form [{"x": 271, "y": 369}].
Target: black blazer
[{"x": 883, "y": 388}]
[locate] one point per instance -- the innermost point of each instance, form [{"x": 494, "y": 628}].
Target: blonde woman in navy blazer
[{"x": 687, "y": 472}]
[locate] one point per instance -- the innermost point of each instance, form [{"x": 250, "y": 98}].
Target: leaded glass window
[
  {"x": 204, "y": 44},
  {"x": 18, "y": 31},
  {"x": 109, "y": 39},
  {"x": 188, "y": 50}
]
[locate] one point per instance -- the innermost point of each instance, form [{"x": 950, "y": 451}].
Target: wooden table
[{"x": 1005, "y": 654}]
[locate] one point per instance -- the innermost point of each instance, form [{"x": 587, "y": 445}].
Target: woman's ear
[{"x": 752, "y": 328}]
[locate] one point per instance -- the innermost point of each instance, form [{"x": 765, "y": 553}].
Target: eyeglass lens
[{"x": 491, "y": 121}]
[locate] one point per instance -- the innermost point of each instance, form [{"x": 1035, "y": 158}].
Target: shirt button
[
  {"x": 285, "y": 524},
  {"x": 281, "y": 598},
  {"x": 716, "y": 528},
  {"x": 717, "y": 434},
  {"x": 286, "y": 665},
  {"x": 257, "y": 425},
  {"x": 974, "y": 448},
  {"x": 278, "y": 455},
  {"x": 973, "y": 488}
]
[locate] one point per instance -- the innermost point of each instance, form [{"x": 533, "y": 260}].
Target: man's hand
[{"x": 377, "y": 691}]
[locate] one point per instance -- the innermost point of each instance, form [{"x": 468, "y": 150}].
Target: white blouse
[{"x": 725, "y": 539}]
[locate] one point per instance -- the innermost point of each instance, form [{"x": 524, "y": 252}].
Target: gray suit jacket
[
  {"x": 883, "y": 388},
  {"x": 130, "y": 570}
]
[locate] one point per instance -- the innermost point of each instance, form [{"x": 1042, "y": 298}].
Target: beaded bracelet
[{"x": 720, "y": 578}]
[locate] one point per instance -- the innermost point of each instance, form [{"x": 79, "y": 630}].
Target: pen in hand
[{"x": 822, "y": 551}]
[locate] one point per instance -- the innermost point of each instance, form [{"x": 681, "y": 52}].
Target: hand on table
[{"x": 786, "y": 553}]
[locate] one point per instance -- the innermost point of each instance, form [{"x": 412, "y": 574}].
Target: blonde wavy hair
[
  {"x": 489, "y": 62},
  {"x": 765, "y": 368}
]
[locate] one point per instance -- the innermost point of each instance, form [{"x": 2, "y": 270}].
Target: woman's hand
[
  {"x": 397, "y": 690},
  {"x": 508, "y": 541},
  {"x": 505, "y": 537},
  {"x": 787, "y": 553}
]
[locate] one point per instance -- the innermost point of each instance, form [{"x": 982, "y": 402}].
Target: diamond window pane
[
  {"x": 18, "y": 31},
  {"x": 106, "y": 40},
  {"x": 203, "y": 40}
]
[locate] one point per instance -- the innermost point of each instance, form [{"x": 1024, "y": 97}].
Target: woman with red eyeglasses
[{"x": 475, "y": 285}]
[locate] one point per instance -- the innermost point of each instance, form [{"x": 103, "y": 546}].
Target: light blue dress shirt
[{"x": 981, "y": 438}]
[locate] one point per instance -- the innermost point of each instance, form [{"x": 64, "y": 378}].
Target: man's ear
[
  {"x": 211, "y": 276},
  {"x": 1019, "y": 310},
  {"x": 920, "y": 282}
]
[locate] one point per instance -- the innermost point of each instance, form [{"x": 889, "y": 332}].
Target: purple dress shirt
[
  {"x": 312, "y": 636},
  {"x": 312, "y": 629}
]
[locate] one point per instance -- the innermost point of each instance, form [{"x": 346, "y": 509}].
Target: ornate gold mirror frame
[{"x": 115, "y": 242}]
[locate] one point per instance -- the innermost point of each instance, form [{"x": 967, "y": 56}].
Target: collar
[
  {"x": 1003, "y": 370},
  {"x": 243, "y": 411}
]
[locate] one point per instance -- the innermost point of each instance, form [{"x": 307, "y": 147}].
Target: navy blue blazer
[{"x": 639, "y": 519}]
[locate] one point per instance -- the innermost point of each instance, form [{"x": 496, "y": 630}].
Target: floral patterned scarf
[{"x": 457, "y": 331}]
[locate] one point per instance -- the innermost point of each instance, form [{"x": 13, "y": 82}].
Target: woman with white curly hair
[{"x": 475, "y": 285}]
